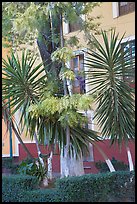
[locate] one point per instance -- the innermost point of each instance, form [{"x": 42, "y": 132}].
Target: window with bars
[
  {"x": 77, "y": 65},
  {"x": 130, "y": 56},
  {"x": 126, "y": 7}
]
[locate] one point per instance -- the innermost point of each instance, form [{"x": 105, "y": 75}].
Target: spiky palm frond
[
  {"x": 51, "y": 131},
  {"x": 24, "y": 86},
  {"x": 21, "y": 81},
  {"x": 107, "y": 64}
]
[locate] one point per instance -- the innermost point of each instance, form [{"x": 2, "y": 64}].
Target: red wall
[
  {"x": 89, "y": 166},
  {"x": 113, "y": 151}
]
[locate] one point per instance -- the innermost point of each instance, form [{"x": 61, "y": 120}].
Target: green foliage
[
  {"x": 108, "y": 65},
  {"x": 29, "y": 18},
  {"x": 19, "y": 16},
  {"x": 118, "y": 165},
  {"x": 7, "y": 162},
  {"x": 63, "y": 54},
  {"x": 10, "y": 11},
  {"x": 64, "y": 108},
  {"x": 24, "y": 81},
  {"x": 14, "y": 187},
  {"x": 72, "y": 41},
  {"x": 41, "y": 195},
  {"x": 56, "y": 113},
  {"x": 26, "y": 20},
  {"x": 67, "y": 74},
  {"x": 34, "y": 168},
  {"x": 107, "y": 187},
  {"x": 27, "y": 87}
]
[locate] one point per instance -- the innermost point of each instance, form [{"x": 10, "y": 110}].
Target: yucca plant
[
  {"x": 21, "y": 85},
  {"x": 107, "y": 65},
  {"x": 24, "y": 85}
]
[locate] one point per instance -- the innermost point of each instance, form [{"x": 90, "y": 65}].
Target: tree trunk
[
  {"x": 50, "y": 166},
  {"x": 38, "y": 150},
  {"x": 107, "y": 160},
  {"x": 130, "y": 161},
  {"x": 70, "y": 165},
  {"x": 20, "y": 140},
  {"x": 45, "y": 180}
]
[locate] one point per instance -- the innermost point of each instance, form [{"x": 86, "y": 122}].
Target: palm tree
[
  {"x": 108, "y": 64},
  {"x": 28, "y": 88},
  {"x": 24, "y": 84}
]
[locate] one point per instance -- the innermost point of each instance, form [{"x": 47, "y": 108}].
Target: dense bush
[
  {"x": 116, "y": 186},
  {"x": 103, "y": 187},
  {"x": 41, "y": 195},
  {"x": 14, "y": 186},
  {"x": 118, "y": 165}
]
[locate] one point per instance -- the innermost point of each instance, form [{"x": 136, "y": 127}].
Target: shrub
[
  {"x": 29, "y": 167},
  {"x": 6, "y": 162},
  {"x": 118, "y": 165},
  {"x": 123, "y": 186},
  {"x": 19, "y": 188},
  {"x": 14, "y": 186},
  {"x": 103, "y": 187},
  {"x": 116, "y": 186},
  {"x": 41, "y": 195}
]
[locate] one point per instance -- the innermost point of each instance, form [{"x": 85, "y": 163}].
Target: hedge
[
  {"x": 41, "y": 195},
  {"x": 14, "y": 186},
  {"x": 102, "y": 187}
]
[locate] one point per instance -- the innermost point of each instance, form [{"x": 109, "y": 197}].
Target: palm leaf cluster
[
  {"x": 24, "y": 86},
  {"x": 108, "y": 64},
  {"x": 55, "y": 114},
  {"x": 21, "y": 83}
]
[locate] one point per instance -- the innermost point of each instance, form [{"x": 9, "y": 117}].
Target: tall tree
[
  {"x": 47, "y": 114},
  {"x": 44, "y": 22},
  {"x": 21, "y": 73}
]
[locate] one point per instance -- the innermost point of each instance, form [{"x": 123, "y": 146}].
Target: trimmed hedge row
[
  {"x": 14, "y": 187},
  {"x": 102, "y": 187},
  {"x": 41, "y": 195}
]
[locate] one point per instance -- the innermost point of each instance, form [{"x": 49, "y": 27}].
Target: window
[
  {"x": 130, "y": 47},
  {"x": 78, "y": 67},
  {"x": 126, "y": 7}
]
